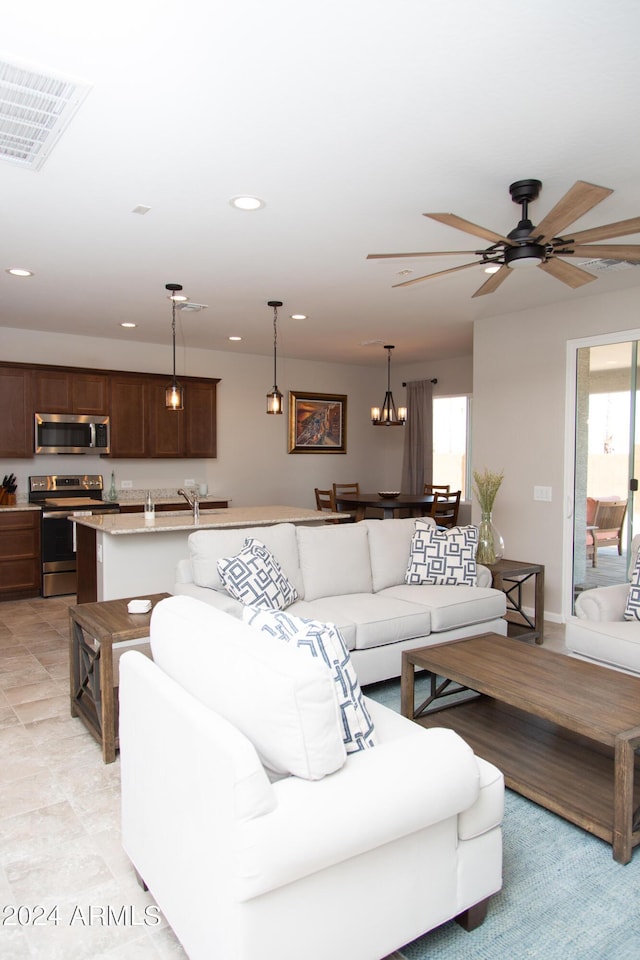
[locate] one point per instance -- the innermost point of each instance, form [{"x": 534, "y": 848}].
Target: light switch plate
[{"x": 542, "y": 493}]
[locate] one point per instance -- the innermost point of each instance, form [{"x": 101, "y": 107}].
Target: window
[{"x": 451, "y": 460}]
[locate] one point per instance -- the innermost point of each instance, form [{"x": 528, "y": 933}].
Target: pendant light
[
  {"x": 174, "y": 394},
  {"x": 274, "y": 399},
  {"x": 387, "y": 416}
]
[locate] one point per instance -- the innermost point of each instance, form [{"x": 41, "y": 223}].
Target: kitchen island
[{"x": 122, "y": 555}]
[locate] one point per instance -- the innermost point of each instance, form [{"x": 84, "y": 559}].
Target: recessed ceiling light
[
  {"x": 403, "y": 273},
  {"x": 492, "y": 269},
  {"x": 128, "y": 324},
  {"x": 247, "y": 203},
  {"x": 235, "y": 338},
  {"x": 19, "y": 272},
  {"x": 298, "y": 316}
]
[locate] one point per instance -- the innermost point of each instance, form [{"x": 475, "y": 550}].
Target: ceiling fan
[{"x": 543, "y": 246}]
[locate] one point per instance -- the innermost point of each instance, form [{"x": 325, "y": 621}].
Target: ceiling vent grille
[
  {"x": 35, "y": 107},
  {"x": 604, "y": 264}
]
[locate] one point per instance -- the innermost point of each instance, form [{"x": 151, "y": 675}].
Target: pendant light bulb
[
  {"x": 275, "y": 402},
  {"x": 174, "y": 394}
]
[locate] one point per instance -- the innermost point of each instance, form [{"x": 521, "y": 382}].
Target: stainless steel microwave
[{"x": 71, "y": 433}]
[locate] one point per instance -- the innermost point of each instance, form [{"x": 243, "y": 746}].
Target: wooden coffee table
[
  {"x": 564, "y": 732},
  {"x": 99, "y": 633}
]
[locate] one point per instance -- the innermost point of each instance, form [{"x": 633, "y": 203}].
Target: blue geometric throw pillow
[
  {"x": 324, "y": 640},
  {"x": 443, "y": 556},
  {"x": 632, "y": 609},
  {"x": 255, "y": 577}
]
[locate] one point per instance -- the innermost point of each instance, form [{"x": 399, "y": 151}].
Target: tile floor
[{"x": 59, "y": 810}]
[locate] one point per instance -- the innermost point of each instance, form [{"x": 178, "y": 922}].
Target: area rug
[{"x": 564, "y": 897}]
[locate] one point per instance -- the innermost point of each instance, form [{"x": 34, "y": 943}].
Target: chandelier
[{"x": 386, "y": 416}]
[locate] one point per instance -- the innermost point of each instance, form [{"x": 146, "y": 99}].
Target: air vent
[
  {"x": 602, "y": 265},
  {"x": 35, "y": 108},
  {"x": 191, "y": 307}
]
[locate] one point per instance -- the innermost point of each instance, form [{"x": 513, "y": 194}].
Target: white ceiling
[{"x": 350, "y": 118}]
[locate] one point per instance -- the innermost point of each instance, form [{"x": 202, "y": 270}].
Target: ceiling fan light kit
[{"x": 541, "y": 246}]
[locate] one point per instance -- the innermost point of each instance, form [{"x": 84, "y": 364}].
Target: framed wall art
[{"x": 317, "y": 422}]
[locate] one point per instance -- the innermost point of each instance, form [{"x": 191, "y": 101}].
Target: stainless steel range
[{"x": 63, "y": 497}]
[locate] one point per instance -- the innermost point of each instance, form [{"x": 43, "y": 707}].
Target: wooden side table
[
  {"x": 509, "y": 576},
  {"x": 98, "y": 634}
]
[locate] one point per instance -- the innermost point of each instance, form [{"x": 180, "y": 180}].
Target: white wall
[
  {"x": 253, "y": 465},
  {"x": 519, "y": 373}
]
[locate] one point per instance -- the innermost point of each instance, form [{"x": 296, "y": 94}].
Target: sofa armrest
[
  {"x": 184, "y": 573},
  {"x": 603, "y": 603},
  {"x": 484, "y": 576},
  {"x": 377, "y": 797}
]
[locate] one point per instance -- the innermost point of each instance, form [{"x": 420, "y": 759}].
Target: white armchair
[
  {"x": 399, "y": 839},
  {"x": 599, "y": 632}
]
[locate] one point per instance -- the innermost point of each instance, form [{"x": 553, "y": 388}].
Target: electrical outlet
[
  {"x": 126, "y": 484},
  {"x": 99, "y": 553},
  {"x": 542, "y": 493},
  {"x": 190, "y": 483}
]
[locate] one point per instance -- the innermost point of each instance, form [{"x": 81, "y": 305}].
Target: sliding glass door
[{"x": 607, "y": 442}]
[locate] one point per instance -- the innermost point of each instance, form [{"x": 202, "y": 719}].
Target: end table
[
  {"x": 98, "y": 634},
  {"x": 509, "y": 576}
]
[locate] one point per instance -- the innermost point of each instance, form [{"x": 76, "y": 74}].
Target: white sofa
[
  {"x": 397, "y": 840},
  {"x": 599, "y": 632},
  {"x": 352, "y": 575}
]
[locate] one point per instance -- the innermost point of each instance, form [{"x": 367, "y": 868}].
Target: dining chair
[
  {"x": 338, "y": 488},
  {"x": 445, "y": 508},
  {"x": 439, "y": 487},
  {"x": 326, "y": 501}
]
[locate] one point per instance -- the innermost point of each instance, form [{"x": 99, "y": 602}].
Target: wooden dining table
[{"x": 419, "y": 505}]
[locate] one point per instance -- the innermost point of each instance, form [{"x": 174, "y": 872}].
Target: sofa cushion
[
  {"x": 206, "y": 547},
  {"x": 452, "y": 607},
  {"x": 443, "y": 556},
  {"x": 390, "y": 547},
  {"x": 334, "y": 560},
  {"x": 255, "y": 577},
  {"x": 281, "y": 699},
  {"x": 378, "y": 619},
  {"x": 324, "y": 643}
]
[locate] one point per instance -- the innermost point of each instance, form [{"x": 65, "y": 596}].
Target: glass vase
[{"x": 490, "y": 542}]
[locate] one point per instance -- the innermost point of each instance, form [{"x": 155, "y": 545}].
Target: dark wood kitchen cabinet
[
  {"x": 16, "y": 414},
  {"x": 128, "y": 416},
  {"x": 70, "y": 391},
  {"x": 141, "y": 425},
  {"x": 20, "y": 566}
]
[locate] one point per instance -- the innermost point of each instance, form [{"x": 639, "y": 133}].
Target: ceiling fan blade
[
  {"x": 431, "y": 253},
  {"x": 566, "y": 272},
  {"x": 623, "y": 228},
  {"x": 606, "y": 251},
  {"x": 578, "y": 200},
  {"x": 494, "y": 281},
  {"x": 440, "y": 273},
  {"x": 451, "y": 220}
]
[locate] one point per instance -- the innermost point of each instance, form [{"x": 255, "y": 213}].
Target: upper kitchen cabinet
[
  {"x": 141, "y": 425},
  {"x": 70, "y": 391},
  {"x": 129, "y": 415},
  {"x": 16, "y": 418}
]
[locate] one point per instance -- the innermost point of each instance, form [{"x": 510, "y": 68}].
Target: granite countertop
[
  {"x": 132, "y": 523},
  {"x": 6, "y": 508}
]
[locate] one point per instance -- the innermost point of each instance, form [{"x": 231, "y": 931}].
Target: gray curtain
[{"x": 417, "y": 459}]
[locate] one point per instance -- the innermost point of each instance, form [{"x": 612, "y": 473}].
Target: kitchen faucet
[{"x": 193, "y": 502}]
